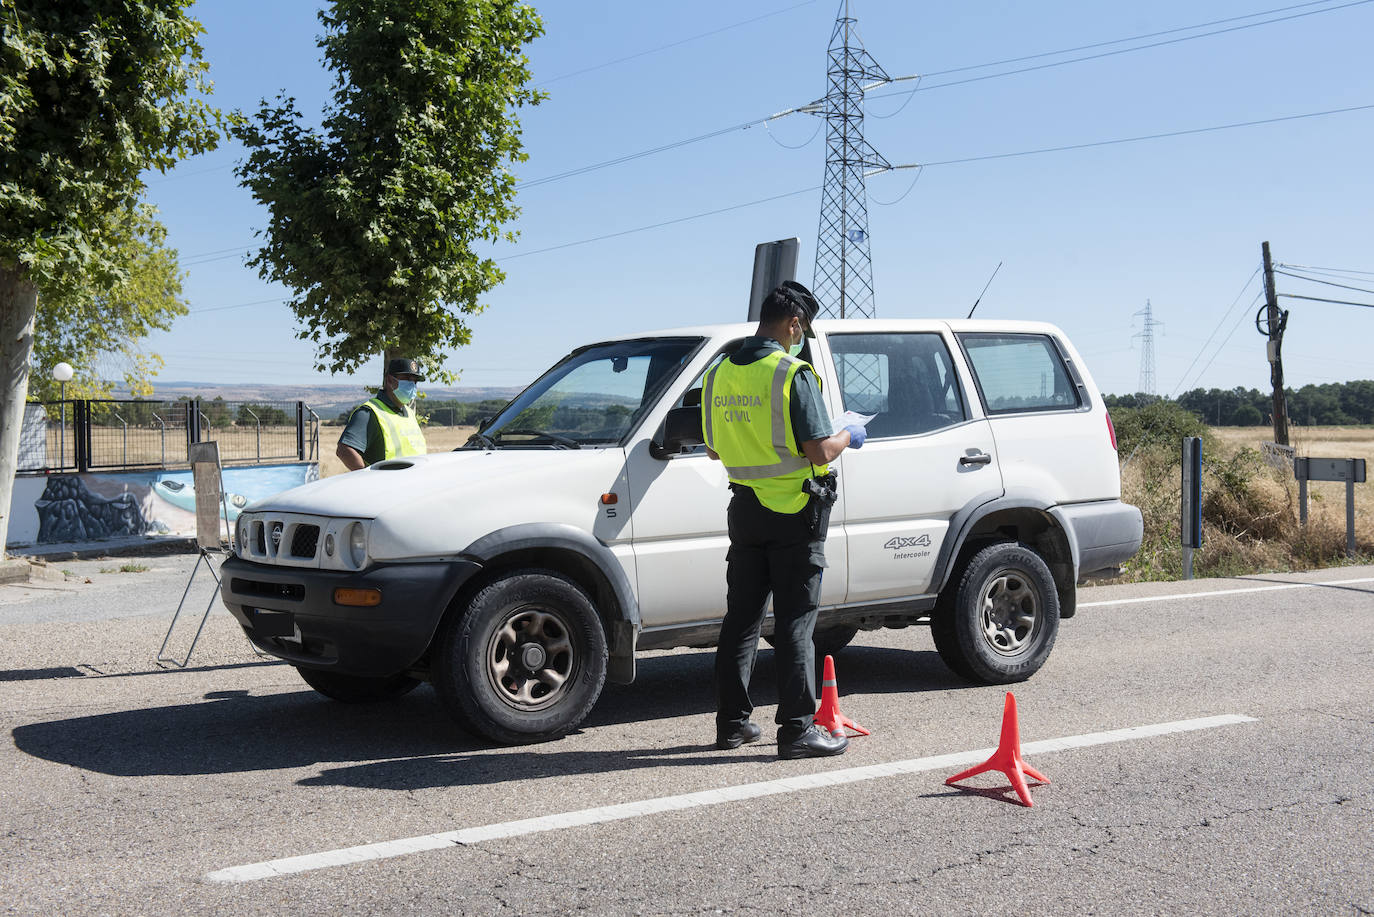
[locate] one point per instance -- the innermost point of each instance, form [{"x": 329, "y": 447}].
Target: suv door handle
[{"x": 977, "y": 458}]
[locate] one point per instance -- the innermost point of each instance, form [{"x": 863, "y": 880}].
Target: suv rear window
[{"x": 1019, "y": 372}]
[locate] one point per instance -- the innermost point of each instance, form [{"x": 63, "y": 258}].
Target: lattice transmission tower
[
  {"x": 843, "y": 278},
  {"x": 1147, "y": 349}
]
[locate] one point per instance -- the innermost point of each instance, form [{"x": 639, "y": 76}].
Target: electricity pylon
[
  {"x": 843, "y": 278},
  {"x": 1147, "y": 349}
]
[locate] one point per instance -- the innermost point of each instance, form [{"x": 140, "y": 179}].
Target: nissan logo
[{"x": 276, "y": 535}]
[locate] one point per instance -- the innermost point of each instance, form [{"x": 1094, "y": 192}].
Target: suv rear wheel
[
  {"x": 999, "y": 624},
  {"x": 525, "y": 661}
]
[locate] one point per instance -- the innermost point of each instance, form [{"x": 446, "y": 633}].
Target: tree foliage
[
  {"x": 375, "y": 214},
  {"x": 1333, "y": 403},
  {"x": 92, "y": 94},
  {"x": 86, "y": 321}
]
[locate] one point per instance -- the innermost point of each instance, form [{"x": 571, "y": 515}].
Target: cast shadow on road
[{"x": 411, "y": 743}]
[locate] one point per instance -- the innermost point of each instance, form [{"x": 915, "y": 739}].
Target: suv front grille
[{"x": 305, "y": 540}]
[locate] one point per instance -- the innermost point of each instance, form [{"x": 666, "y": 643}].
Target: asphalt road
[{"x": 131, "y": 789}]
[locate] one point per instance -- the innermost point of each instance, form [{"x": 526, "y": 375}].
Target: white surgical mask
[{"x": 405, "y": 390}]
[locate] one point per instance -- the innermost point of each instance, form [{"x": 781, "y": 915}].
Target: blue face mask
[
  {"x": 405, "y": 390},
  {"x": 795, "y": 349}
]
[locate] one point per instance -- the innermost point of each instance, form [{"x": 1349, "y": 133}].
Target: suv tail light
[{"x": 1111, "y": 430}]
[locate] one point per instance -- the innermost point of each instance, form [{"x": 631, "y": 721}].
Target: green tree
[
  {"x": 92, "y": 94},
  {"x": 81, "y": 324},
  {"x": 373, "y": 216}
]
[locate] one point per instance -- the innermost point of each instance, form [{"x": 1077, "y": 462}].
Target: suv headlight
[{"x": 357, "y": 544}]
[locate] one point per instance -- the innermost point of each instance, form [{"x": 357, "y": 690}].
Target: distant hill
[{"x": 325, "y": 400}]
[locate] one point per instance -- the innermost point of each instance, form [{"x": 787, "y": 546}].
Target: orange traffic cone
[
  {"x": 1007, "y": 758},
  {"x": 829, "y": 716}
]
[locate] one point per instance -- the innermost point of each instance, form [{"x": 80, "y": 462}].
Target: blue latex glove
[{"x": 857, "y": 435}]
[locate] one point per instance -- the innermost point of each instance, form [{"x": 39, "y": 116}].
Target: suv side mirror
[{"x": 681, "y": 430}]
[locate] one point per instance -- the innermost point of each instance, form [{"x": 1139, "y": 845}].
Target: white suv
[{"x": 585, "y": 521}]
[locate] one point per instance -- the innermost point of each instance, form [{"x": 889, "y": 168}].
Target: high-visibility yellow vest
[
  {"x": 747, "y": 421},
  {"x": 401, "y": 434}
]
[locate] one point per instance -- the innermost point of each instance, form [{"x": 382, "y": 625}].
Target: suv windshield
[{"x": 592, "y": 397}]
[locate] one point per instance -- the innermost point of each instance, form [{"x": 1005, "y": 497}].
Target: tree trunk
[{"x": 18, "y": 305}]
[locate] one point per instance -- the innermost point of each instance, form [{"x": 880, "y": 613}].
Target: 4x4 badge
[{"x": 896, "y": 544}]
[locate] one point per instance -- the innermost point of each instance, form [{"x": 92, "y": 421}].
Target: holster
[{"x": 823, "y": 490}]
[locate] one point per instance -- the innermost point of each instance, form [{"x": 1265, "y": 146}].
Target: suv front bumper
[{"x": 290, "y": 612}]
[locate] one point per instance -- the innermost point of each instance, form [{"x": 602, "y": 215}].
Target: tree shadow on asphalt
[{"x": 411, "y": 743}]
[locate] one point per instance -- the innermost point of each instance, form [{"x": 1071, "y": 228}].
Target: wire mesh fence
[{"x": 113, "y": 434}]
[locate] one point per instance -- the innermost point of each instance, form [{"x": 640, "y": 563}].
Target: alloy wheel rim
[
  {"x": 1010, "y": 612},
  {"x": 530, "y": 658}
]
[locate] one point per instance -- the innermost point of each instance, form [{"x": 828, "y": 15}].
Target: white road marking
[
  {"x": 1206, "y": 595},
  {"x": 601, "y": 814}
]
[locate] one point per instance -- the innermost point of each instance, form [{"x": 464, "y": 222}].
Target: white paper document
[{"x": 852, "y": 418}]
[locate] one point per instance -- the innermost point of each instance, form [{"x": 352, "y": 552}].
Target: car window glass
[
  {"x": 594, "y": 396},
  {"x": 907, "y": 379},
  {"x": 1019, "y": 372}
]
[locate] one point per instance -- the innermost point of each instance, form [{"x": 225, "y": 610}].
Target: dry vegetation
[{"x": 1250, "y": 510}]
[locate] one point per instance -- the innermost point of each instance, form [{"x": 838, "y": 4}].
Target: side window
[
  {"x": 1019, "y": 372},
  {"x": 908, "y": 380}
]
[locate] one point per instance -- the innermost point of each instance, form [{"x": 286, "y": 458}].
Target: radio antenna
[{"x": 985, "y": 289}]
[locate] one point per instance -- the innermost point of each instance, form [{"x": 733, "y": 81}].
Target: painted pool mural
[{"x": 86, "y": 507}]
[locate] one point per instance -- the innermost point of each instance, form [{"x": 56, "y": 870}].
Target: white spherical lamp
[{"x": 62, "y": 372}]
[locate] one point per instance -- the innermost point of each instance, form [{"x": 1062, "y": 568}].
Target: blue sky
[{"x": 1086, "y": 236}]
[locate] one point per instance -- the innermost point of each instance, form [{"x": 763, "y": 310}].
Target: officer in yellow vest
[
  {"x": 385, "y": 427},
  {"x": 763, "y": 417}
]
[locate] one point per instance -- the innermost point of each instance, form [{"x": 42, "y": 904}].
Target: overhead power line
[
  {"x": 1119, "y": 41},
  {"x": 1160, "y": 136},
  {"x": 815, "y": 106},
  {"x": 926, "y": 87},
  {"x": 1327, "y": 282},
  {"x": 1339, "y": 302},
  {"x": 673, "y": 44},
  {"x": 947, "y": 162},
  {"x": 1332, "y": 270}
]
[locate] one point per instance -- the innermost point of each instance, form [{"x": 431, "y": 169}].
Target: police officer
[
  {"x": 763, "y": 417},
  {"x": 385, "y": 427}
]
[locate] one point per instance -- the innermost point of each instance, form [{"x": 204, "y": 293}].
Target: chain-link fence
[{"x": 115, "y": 434}]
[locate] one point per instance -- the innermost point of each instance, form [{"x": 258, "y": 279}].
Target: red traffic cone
[
  {"x": 829, "y": 716},
  {"x": 1007, "y": 758}
]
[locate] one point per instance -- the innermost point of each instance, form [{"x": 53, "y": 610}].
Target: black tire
[
  {"x": 358, "y": 689},
  {"x": 999, "y": 623},
  {"x": 524, "y": 661},
  {"x": 827, "y": 640}
]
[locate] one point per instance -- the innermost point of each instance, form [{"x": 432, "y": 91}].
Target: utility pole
[{"x": 1273, "y": 325}]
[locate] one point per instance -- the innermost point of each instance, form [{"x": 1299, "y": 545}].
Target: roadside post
[
  {"x": 1349, "y": 470},
  {"x": 1190, "y": 515}
]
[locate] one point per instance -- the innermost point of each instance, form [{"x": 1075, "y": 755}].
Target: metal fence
[{"x": 115, "y": 434}]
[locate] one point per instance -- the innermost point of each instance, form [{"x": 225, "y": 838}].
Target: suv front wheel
[
  {"x": 999, "y": 624},
  {"x": 525, "y": 661}
]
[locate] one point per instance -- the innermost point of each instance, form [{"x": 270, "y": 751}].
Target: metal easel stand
[{"x": 162, "y": 655}]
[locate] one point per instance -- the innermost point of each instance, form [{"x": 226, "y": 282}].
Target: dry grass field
[{"x": 1250, "y": 510}]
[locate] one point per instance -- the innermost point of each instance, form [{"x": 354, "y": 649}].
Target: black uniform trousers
[{"x": 782, "y": 554}]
